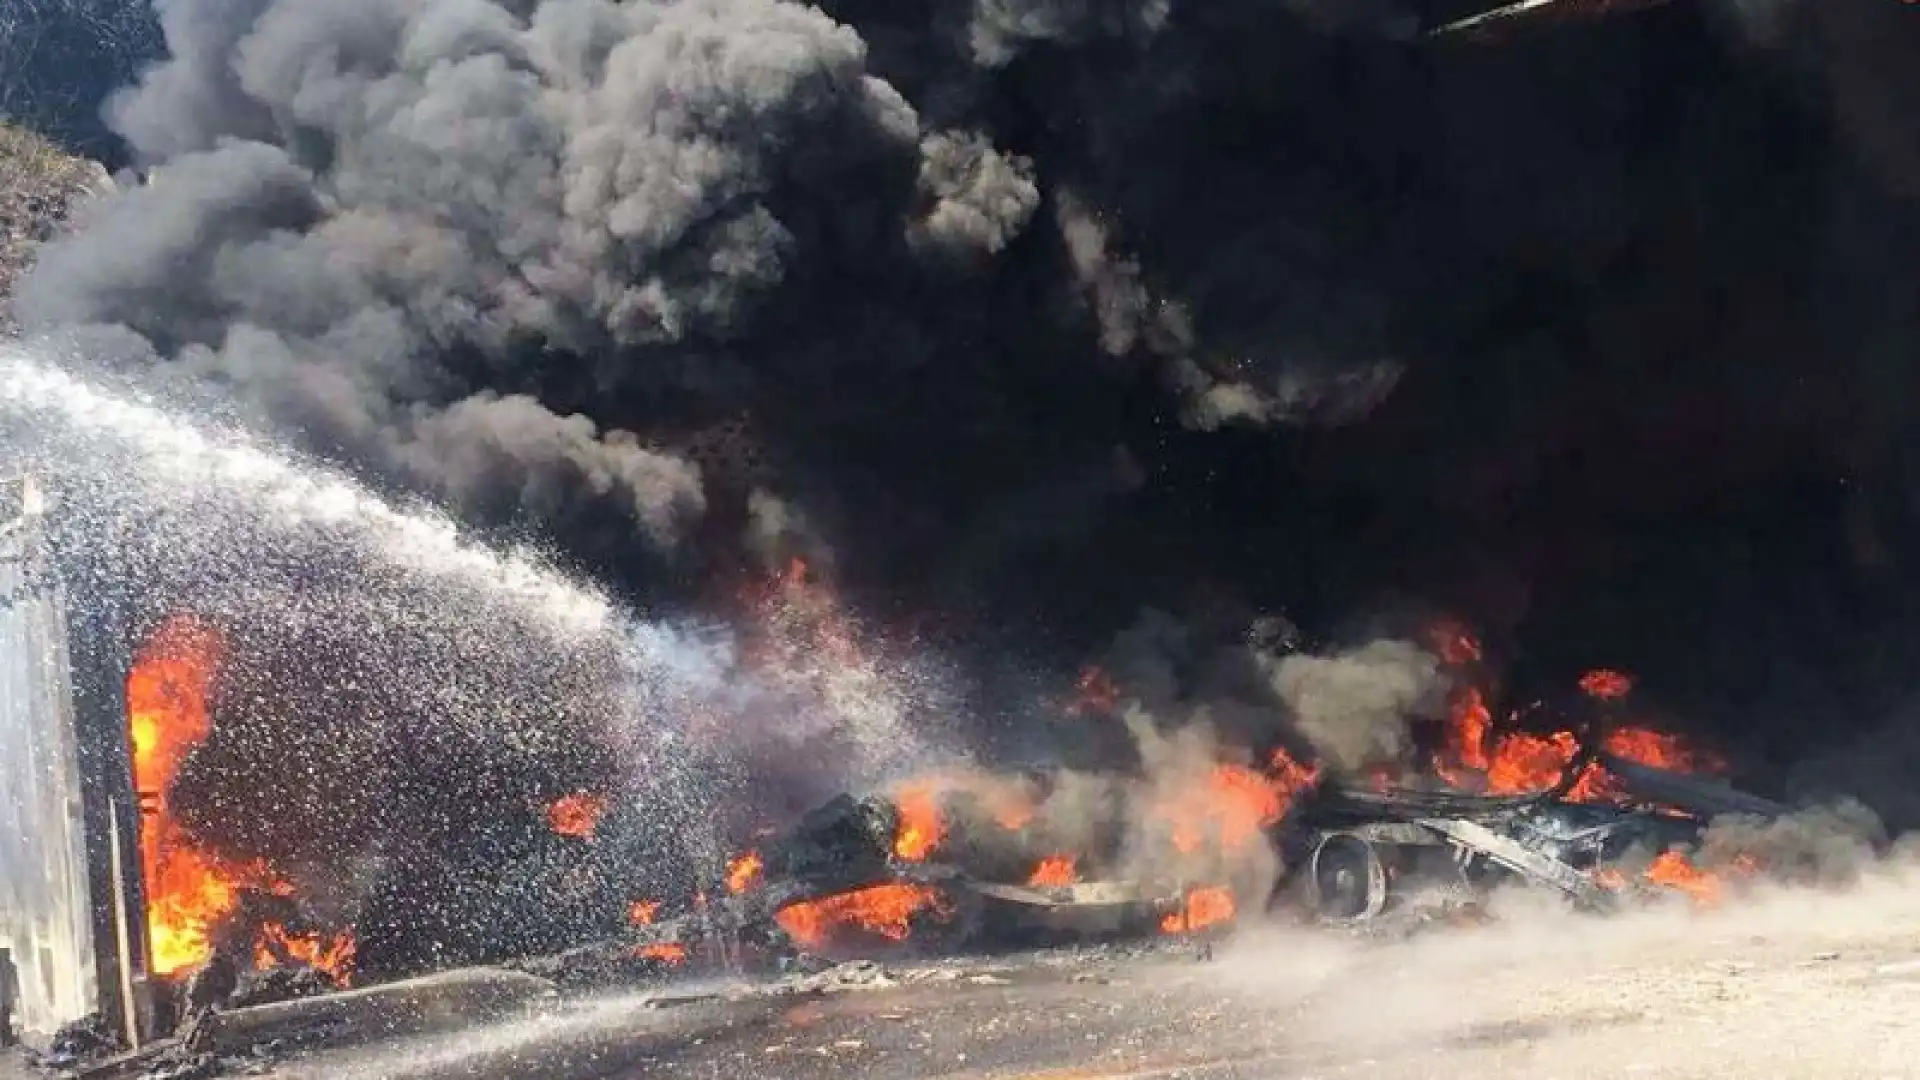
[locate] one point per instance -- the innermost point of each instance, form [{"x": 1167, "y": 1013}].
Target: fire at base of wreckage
[{"x": 969, "y": 861}]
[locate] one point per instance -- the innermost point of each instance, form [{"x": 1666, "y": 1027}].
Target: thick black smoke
[{"x": 1022, "y": 316}]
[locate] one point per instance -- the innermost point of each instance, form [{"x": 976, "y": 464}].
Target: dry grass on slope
[{"x": 39, "y": 185}]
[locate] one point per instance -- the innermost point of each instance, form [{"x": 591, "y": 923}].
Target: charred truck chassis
[
  {"x": 1353, "y": 853},
  {"x": 1349, "y": 854}
]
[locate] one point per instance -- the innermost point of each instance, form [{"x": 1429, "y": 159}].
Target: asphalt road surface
[{"x": 1798, "y": 986}]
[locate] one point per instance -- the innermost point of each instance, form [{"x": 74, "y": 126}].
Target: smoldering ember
[{"x": 757, "y": 537}]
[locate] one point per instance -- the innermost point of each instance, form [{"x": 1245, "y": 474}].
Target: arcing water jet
[{"x": 400, "y": 695}]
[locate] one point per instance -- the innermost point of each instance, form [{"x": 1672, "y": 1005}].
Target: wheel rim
[{"x": 1347, "y": 878}]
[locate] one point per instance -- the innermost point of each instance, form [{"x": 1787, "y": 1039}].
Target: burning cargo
[
  {"x": 926, "y": 868},
  {"x": 106, "y": 905}
]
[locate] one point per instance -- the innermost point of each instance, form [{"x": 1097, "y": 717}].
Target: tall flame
[
  {"x": 921, "y": 824},
  {"x": 169, "y": 712},
  {"x": 189, "y": 891}
]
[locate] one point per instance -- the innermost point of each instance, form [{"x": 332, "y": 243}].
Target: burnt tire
[{"x": 1346, "y": 879}]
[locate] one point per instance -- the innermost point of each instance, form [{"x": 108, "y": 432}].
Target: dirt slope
[{"x": 39, "y": 187}]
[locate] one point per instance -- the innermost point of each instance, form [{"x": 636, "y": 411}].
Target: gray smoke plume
[
  {"x": 777, "y": 531},
  {"x": 1001, "y": 29},
  {"x": 1819, "y": 845},
  {"x": 366, "y": 216},
  {"x": 404, "y": 231},
  {"x": 1217, "y": 393},
  {"x": 1355, "y": 706},
  {"x": 981, "y": 198}
]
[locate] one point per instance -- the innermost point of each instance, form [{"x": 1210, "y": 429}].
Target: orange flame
[
  {"x": 1012, "y": 814},
  {"x": 1234, "y": 805},
  {"x": 1202, "y": 908},
  {"x": 643, "y": 912},
  {"x": 1522, "y": 761},
  {"x": 1094, "y": 692},
  {"x": 921, "y": 803},
  {"x": 189, "y": 892},
  {"x": 1518, "y": 762},
  {"x": 885, "y": 910},
  {"x": 1606, "y": 685},
  {"x": 1679, "y": 873},
  {"x": 922, "y": 826},
  {"x": 1290, "y": 778},
  {"x": 803, "y": 615},
  {"x": 332, "y": 956},
  {"x": 1471, "y": 724},
  {"x": 1054, "y": 871},
  {"x": 744, "y": 872},
  {"x": 1659, "y": 749},
  {"x": 576, "y": 815},
  {"x": 1674, "y": 871},
  {"x": 169, "y": 698},
  {"x": 666, "y": 952}
]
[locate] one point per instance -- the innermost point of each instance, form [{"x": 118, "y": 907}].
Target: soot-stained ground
[{"x": 1815, "y": 986}]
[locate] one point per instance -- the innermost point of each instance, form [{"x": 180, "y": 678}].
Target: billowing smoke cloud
[
  {"x": 1820, "y": 845},
  {"x": 925, "y": 251},
  {"x": 503, "y": 251},
  {"x": 365, "y": 217},
  {"x": 482, "y": 440},
  {"x": 1356, "y": 707},
  {"x": 1250, "y": 686},
  {"x": 981, "y": 198}
]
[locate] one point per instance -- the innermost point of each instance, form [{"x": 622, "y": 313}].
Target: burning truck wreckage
[
  {"x": 954, "y": 863},
  {"x": 204, "y": 958}
]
